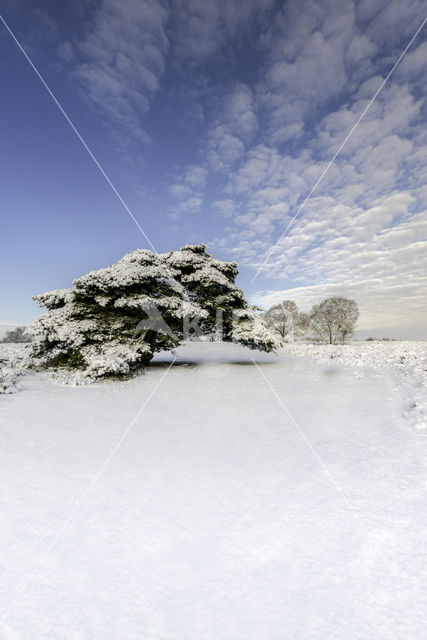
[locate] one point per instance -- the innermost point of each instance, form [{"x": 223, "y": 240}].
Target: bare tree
[
  {"x": 334, "y": 319},
  {"x": 302, "y": 324},
  {"x": 283, "y": 318}
]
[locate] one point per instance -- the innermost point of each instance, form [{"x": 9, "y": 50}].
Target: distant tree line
[
  {"x": 331, "y": 321},
  {"x": 16, "y": 335}
]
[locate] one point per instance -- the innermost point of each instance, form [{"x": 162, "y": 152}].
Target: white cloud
[
  {"x": 414, "y": 65},
  {"x": 225, "y": 208},
  {"x": 179, "y": 191},
  {"x": 234, "y": 128},
  {"x": 195, "y": 177},
  {"x": 202, "y": 28},
  {"x": 65, "y": 50},
  {"x": 390, "y": 22},
  {"x": 121, "y": 60},
  {"x": 364, "y": 193},
  {"x": 224, "y": 149},
  {"x": 188, "y": 190},
  {"x": 189, "y": 206},
  {"x": 239, "y": 112},
  {"x": 308, "y": 63}
]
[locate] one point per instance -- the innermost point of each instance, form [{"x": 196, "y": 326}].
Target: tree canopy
[
  {"x": 286, "y": 320},
  {"x": 334, "y": 319}
]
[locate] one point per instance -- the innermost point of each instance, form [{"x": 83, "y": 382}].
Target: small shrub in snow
[
  {"x": 14, "y": 361},
  {"x": 8, "y": 379},
  {"x": 7, "y": 384}
]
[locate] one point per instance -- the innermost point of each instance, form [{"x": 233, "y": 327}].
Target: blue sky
[{"x": 214, "y": 119}]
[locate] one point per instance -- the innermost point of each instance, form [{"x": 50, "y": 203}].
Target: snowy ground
[
  {"x": 407, "y": 361},
  {"x": 273, "y": 501}
]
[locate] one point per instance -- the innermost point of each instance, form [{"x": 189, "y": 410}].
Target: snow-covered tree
[
  {"x": 286, "y": 320},
  {"x": 334, "y": 319},
  {"x": 113, "y": 320},
  {"x": 283, "y": 317}
]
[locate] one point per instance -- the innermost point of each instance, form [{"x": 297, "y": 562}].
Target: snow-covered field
[
  {"x": 406, "y": 360},
  {"x": 219, "y": 499}
]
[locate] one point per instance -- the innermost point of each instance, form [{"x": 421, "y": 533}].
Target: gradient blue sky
[{"x": 214, "y": 119}]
